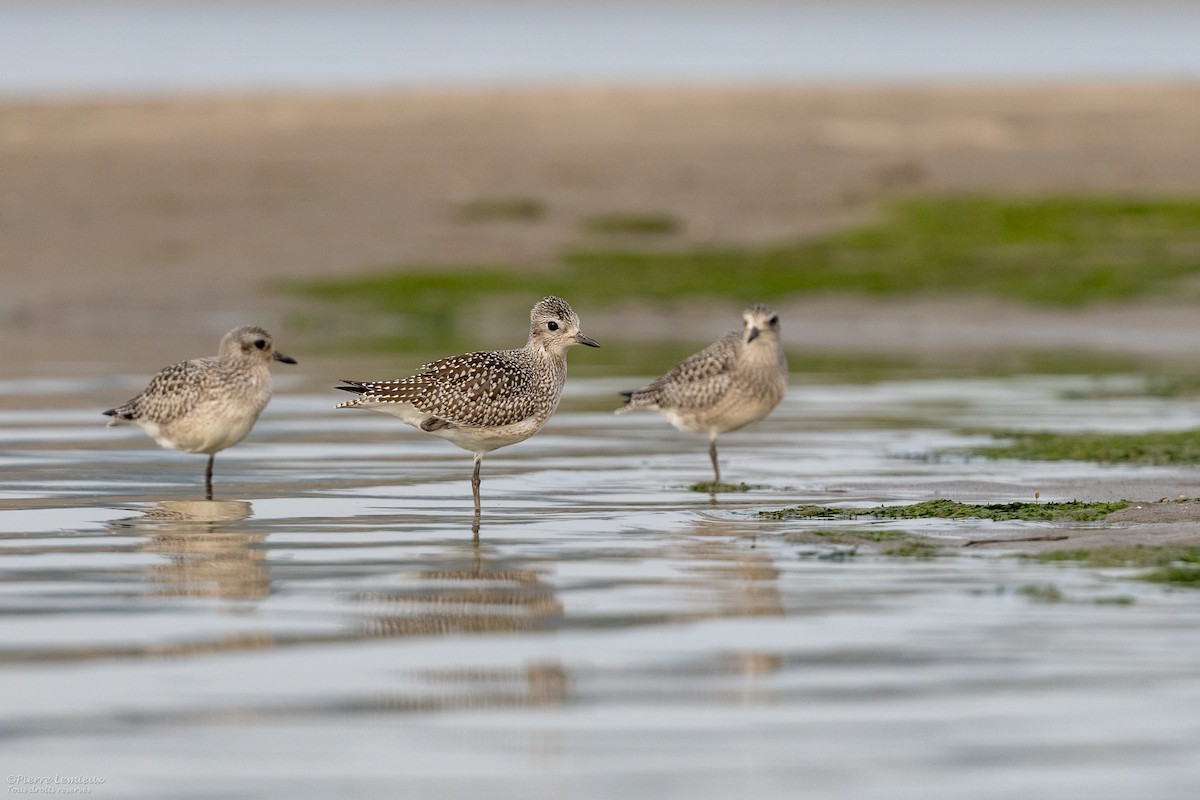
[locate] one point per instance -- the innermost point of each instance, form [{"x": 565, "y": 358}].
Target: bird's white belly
[
  {"x": 730, "y": 414},
  {"x": 207, "y": 431},
  {"x": 484, "y": 440},
  {"x": 470, "y": 438}
]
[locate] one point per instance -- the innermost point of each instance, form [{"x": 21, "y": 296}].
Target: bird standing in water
[
  {"x": 736, "y": 380},
  {"x": 205, "y": 405},
  {"x": 485, "y": 400}
]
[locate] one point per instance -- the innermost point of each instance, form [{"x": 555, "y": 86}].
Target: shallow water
[{"x": 327, "y": 627}]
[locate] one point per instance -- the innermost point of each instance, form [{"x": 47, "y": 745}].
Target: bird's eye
[
  {"x": 261, "y": 344},
  {"x": 552, "y": 325},
  {"x": 773, "y": 321}
]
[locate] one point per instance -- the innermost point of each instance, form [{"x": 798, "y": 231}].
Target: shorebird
[
  {"x": 485, "y": 400},
  {"x": 736, "y": 380},
  {"x": 207, "y": 404}
]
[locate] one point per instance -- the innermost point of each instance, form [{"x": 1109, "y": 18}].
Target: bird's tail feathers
[
  {"x": 357, "y": 387},
  {"x": 635, "y": 401},
  {"x": 118, "y": 415}
]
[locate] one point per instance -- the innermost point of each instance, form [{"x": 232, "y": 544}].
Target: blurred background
[
  {"x": 918, "y": 185},
  {"x": 75, "y": 46}
]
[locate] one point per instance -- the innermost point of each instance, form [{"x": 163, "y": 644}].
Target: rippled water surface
[{"x": 326, "y": 626}]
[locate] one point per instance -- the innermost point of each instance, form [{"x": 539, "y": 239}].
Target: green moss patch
[
  {"x": 501, "y": 209},
  {"x": 949, "y": 509},
  {"x": 632, "y": 224},
  {"x": 1174, "y": 565},
  {"x": 712, "y": 487},
  {"x": 914, "y": 549},
  {"x": 1185, "y": 575},
  {"x": 1158, "y": 448},
  {"x": 891, "y": 542},
  {"x": 1137, "y": 555},
  {"x": 854, "y": 536},
  {"x": 1042, "y": 593}
]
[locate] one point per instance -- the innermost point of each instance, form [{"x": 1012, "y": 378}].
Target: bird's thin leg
[
  {"x": 712, "y": 453},
  {"x": 208, "y": 494},
  {"x": 475, "y": 481},
  {"x": 475, "y": 493}
]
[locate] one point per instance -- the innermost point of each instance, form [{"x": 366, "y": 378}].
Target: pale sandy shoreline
[{"x": 133, "y": 230}]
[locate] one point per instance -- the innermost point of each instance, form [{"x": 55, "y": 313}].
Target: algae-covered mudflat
[
  {"x": 1071, "y": 511},
  {"x": 1154, "y": 447},
  {"x": 1067, "y": 208},
  {"x": 1102, "y": 248},
  {"x": 1066, "y": 251}
]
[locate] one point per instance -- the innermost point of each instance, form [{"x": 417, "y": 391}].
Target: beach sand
[{"x": 134, "y": 231}]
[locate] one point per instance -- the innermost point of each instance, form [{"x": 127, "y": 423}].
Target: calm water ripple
[{"x": 326, "y": 626}]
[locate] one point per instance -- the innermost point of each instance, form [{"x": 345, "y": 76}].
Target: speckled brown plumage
[
  {"x": 181, "y": 389},
  {"x": 733, "y": 382},
  {"x": 484, "y": 400},
  {"x": 205, "y": 405},
  {"x": 695, "y": 383},
  {"x": 484, "y": 389}
]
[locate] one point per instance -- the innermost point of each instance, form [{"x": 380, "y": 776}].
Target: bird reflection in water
[
  {"x": 470, "y": 597},
  {"x": 733, "y": 579},
  {"x": 205, "y": 553},
  {"x": 473, "y": 597}
]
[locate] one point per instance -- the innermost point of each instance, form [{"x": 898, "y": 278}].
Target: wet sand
[{"x": 134, "y": 230}]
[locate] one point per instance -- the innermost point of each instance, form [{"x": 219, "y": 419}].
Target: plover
[
  {"x": 736, "y": 380},
  {"x": 207, "y": 404},
  {"x": 486, "y": 400}
]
